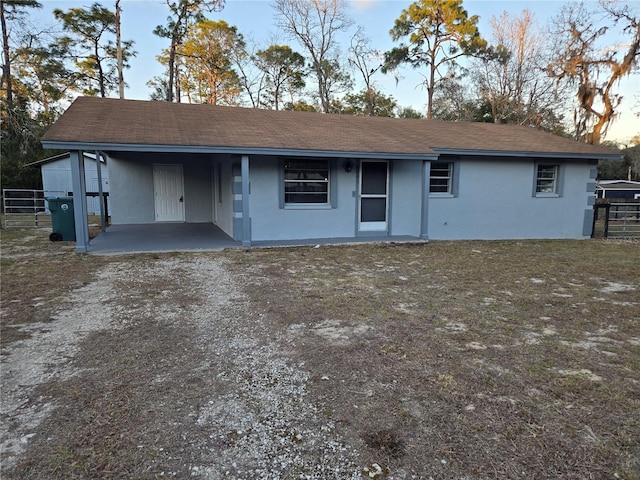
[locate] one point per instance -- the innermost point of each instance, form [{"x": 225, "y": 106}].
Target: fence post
[
  {"x": 606, "y": 220},
  {"x": 35, "y": 209}
]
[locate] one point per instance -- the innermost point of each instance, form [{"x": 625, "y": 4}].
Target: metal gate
[
  {"x": 26, "y": 208},
  {"x": 621, "y": 220}
]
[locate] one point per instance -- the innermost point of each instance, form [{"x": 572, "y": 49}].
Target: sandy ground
[{"x": 250, "y": 417}]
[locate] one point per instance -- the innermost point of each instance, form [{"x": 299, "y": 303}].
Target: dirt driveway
[
  {"x": 454, "y": 360},
  {"x": 160, "y": 368}
]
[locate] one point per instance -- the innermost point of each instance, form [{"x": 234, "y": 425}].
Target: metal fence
[
  {"x": 26, "y": 208},
  {"x": 621, "y": 220}
]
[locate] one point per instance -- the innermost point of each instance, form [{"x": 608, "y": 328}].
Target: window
[
  {"x": 547, "y": 179},
  {"x": 441, "y": 180},
  {"x": 306, "y": 181}
]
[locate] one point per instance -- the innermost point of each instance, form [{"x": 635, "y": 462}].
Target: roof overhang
[
  {"x": 88, "y": 155},
  {"x": 620, "y": 187},
  {"x": 630, "y": 183},
  {"x": 501, "y": 153},
  {"x": 288, "y": 152}
]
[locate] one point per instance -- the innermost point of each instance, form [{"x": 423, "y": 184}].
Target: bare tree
[
  {"x": 316, "y": 25},
  {"x": 453, "y": 101},
  {"x": 251, "y": 78},
  {"x": 512, "y": 79},
  {"x": 592, "y": 69},
  {"x": 367, "y": 61},
  {"x": 364, "y": 58}
]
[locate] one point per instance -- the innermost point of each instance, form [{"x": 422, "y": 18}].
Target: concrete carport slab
[{"x": 161, "y": 237}]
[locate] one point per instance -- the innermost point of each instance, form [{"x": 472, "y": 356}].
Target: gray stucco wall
[
  {"x": 406, "y": 198},
  {"x": 198, "y": 191},
  {"x": 270, "y": 222},
  {"x": 131, "y": 191},
  {"x": 224, "y": 202},
  {"x": 495, "y": 201},
  {"x": 132, "y": 195}
]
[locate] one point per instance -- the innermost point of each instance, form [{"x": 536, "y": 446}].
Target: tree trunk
[
  {"x": 322, "y": 90},
  {"x": 172, "y": 56},
  {"x": 6, "y": 68},
  {"x": 119, "y": 51},
  {"x": 101, "y": 82},
  {"x": 431, "y": 85},
  {"x": 176, "y": 80}
]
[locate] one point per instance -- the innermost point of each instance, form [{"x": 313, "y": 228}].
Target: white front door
[
  {"x": 374, "y": 188},
  {"x": 168, "y": 188}
]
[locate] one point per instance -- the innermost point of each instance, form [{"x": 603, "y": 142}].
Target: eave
[
  {"x": 289, "y": 152},
  {"x": 527, "y": 154},
  {"x": 55, "y": 158}
]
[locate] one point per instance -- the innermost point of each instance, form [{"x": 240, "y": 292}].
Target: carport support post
[
  {"x": 246, "y": 220},
  {"x": 79, "y": 200},
  {"x": 103, "y": 223},
  {"x": 424, "y": 217}
]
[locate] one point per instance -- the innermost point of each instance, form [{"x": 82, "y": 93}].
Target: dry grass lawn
[
  {"x": 446, "y": 360},
  {"x": 470, "y": 359}
]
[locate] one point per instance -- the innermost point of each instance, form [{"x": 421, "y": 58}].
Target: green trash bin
[{"x": 62, "y": 219}]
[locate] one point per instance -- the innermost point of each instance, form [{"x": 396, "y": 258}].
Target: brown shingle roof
[{"x": 103, "y": 121}]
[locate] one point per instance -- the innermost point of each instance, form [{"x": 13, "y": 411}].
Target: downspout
[{"x": 79, "y": 186}]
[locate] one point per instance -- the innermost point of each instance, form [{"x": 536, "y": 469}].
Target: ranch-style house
[{"x": 265, "y": 175}]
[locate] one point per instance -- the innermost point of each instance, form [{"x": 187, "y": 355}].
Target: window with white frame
[
  {"x": 547, "y": 179},
  {"x": 441, "y": 178},
  {"x": 306, "y": 181}
]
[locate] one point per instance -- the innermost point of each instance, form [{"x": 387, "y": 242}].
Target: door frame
[
  {"x": 180, "y": 202},
  {"x": 373, "y": 227}
]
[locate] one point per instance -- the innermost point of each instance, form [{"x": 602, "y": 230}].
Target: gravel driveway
[{"x": 175, "y": 365}]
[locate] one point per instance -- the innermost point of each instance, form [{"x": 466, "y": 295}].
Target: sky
[{"x": 256, "y": 21}]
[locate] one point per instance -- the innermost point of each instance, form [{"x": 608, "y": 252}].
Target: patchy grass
[
  {"x": 469, "y": 359},
  {"x": 447, "y": 360},
  {"x": 37, "y": 277}
]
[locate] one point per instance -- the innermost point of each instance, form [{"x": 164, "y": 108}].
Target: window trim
[
  {"x": 558, "y": 180},
  {"x": 331, "y": 185},
  {"x": 454, "y": 171}
]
